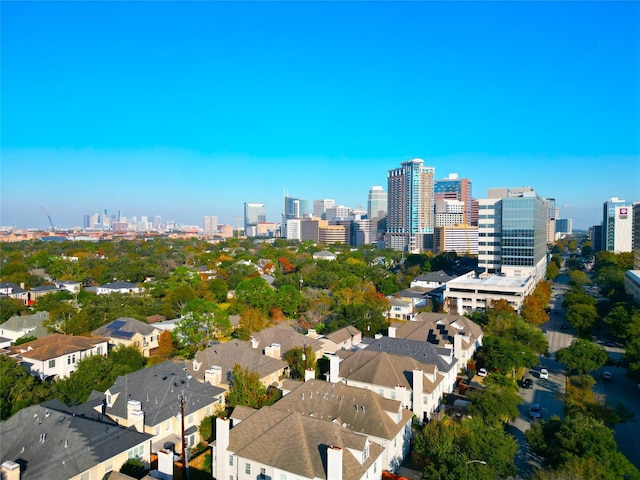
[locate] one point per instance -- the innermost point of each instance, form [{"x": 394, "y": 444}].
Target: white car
[
  {"x": 544, "y": 373},
  {"x": 482, "y": 372}
]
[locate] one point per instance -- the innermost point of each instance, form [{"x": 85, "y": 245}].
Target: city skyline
[{"x": 186, "y": 110}]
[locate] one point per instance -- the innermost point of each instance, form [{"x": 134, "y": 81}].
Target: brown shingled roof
[{"x": 54, "y": 346}]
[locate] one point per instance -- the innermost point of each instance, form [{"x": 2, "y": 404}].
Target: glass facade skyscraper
[{"x": 410, "y": 214}]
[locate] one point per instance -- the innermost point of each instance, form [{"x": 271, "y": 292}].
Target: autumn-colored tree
[
  {"x": 285, "y": 265},
  {"x": 251, "y": 320},
  {"x": 166, "y": 347},
  {"x": 248, "y": 390}
]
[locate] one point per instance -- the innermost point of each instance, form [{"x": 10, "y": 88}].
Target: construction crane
[{"x": 53, "y": 229}]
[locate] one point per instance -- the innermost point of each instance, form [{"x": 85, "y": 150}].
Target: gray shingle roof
[
  {"x": 287, "y": 337},
  {"x": 422, "y": 352},
  {"x": 73, "y": 443},
  {"x": 124, "y": 327},
  {"x": 20, "y": 322},
  {"x": 226, "y": 355},
  {"x": 158, "y": 388}
]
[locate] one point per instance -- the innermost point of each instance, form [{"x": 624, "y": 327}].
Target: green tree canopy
[
  {"x": 582, "y": 356},
  {"x": 248, "y": 390},
  {"x": 300, "y": 360},
  {"x": 467, "y": 449}
]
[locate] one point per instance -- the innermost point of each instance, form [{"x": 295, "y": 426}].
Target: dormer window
[
  {"x": 196, "y": 365},
  {"x": 365, "y": 452}
]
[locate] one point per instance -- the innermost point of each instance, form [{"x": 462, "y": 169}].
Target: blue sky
[{"x": 185, "y": 109}]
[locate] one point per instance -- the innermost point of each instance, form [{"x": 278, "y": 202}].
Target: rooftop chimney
[
  {"x": 309, "y": 374},
  {"x": 334, "y": 463},
  {"x": 213, "y": 375},
  {"x": 221, "y": 446},
  {"x": 10, "y": 470}
]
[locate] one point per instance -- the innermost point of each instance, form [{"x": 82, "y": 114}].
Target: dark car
[{"x": 528, "y": 383}]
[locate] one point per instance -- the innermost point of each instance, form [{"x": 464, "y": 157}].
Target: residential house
[
  {"x": 50, "y": 441},
  {"x": 215, "y": 364},
  {"x": 277, "y": 340},
  {"x": 276, "y": 444},
  {"x": 118, "y": 287},
  {"x": 400, "y": 309},
  {"x": 22, "y": 325},
  {"x": 57, "y": 356},
  {"x": 384, "y": 421},
  {"x": 325, "y": 255},
  {"x": 73, "y": 287},
  {"x": 40, "y": 291},
  {"x": 131, "y": 332},
  {"x": 344, "y": 339},
  {"x": 433, "y": 279},
  {"x": 12, "y": 290},
  {"x": 417, "y": 374},
  {"x": 151, "y": 400},
  {"x": 454, "y": 332}
]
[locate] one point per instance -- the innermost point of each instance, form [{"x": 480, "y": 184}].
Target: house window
[
  {"x": 108, "y": 466},
  {"x": 247, "y": 468},
  {"x": 190, "y": 420},
  {"x": 231, "y": 460},
  {"x": 85, "y": 476},
  {"x": 52, "y": 363},
  {"x": 74, "y": 358},
  {"x": 68, "y": 360},
  {"x": 263, "y": 473},
  {"x": 283, "y": 476},
  {"x": 365, "y": 452}
]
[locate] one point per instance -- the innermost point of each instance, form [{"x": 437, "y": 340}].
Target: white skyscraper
[{"x": 210, "y": 224}]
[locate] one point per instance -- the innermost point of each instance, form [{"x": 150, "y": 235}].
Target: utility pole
[{"x": 185, "y": 465}]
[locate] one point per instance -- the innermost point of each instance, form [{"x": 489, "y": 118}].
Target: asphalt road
[{"x": 622, "y": 389}]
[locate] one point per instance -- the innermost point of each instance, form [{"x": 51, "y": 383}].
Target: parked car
[
  {"x": 528, "y": 383},
  {"x": 482, "y": 372},
  {"x": 535, "y": 412},
  {"x": 607, "y": 375},
  {"x": 544, "y": 373}
]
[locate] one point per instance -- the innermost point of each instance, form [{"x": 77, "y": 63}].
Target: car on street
[
  {"x": 482, "y": 372},
  {"x": 607, "y": 375},
  {"x": 535, "y": 412},
  {"x": 528, "y": 383},
  {"x": 544, "y": 373}
]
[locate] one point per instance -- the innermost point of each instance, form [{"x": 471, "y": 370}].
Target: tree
[
  {"x": 248, "y": 390},
  {"x": 495, "y": 404},
  {"x": 582, "y": 316},
  {"x": 251, "y": 320},
  {"x": 10, "y": 307},
  {"x": 506, "y": 355},
  {"x": 552, "y": 271},
  {"x": 289, "y": 299},
  {"x": 18, "y": 388},
  {"x": 454, "y": 450},
  {"x": 166, "y": 347},
  {"x": 579, "y": 436},
  {"x": 582, "y": 356},
  {"x": 256, "y": 293},
  {"x": 300, "y": 360},
  {"x": 201, "y": 322},
  {"x": 176, "y": 299},
  {"x": 219, "y": 288}
]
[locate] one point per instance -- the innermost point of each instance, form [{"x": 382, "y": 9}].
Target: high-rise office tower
[
  {"x": 254, "y": 213},
  {"x": 617, "y": 226},
  {"x": 210, "y": 224},
  {"x": 157, "y": 222},
  {"x": 293, "y": 208},
  {"x": 410, "y": 215},
  {"x": 512, "y": 233},
  {"x": 337, "y": 211},
  {"x": 377, "y": 203},
  {"x": 552, "y": 215},
  {"x": 377, "y": 212},
  {"x": 320, "y": 207},
  {"x": 454, "y": 188}
]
